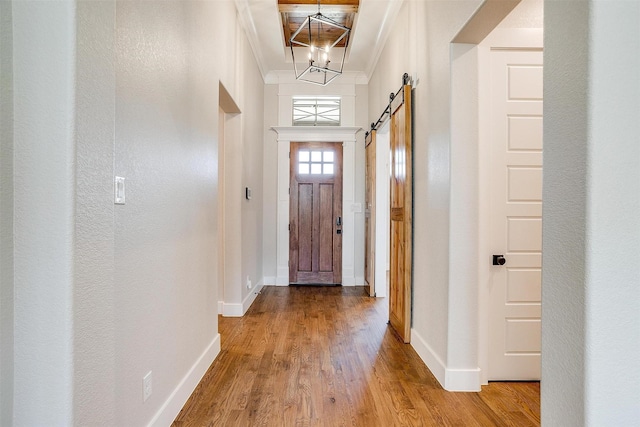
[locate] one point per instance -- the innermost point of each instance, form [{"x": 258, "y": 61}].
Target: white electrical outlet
[
  {"x": 248, "y": 283},
  {"x": 147, "y": 386}
]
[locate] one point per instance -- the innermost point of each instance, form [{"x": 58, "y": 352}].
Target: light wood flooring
[{"x": 324, "y": 356}]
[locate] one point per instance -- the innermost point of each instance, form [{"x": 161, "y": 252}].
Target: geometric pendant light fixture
[{"x": 319, "y": 48}]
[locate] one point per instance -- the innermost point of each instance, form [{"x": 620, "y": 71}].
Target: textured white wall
[
  {"x": 104, "y": 293},
  {"x": 6, "y": 214},
  {"x": 270, "y": 184},
  {"x": 419, "y": 45},
  {"x": 44, "y": 158},
  {"x": 93, "y": 291},
  {"x": 591, "y": 230}
]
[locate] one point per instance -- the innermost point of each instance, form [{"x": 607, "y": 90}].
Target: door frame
[{"x": 350, "y": 209}]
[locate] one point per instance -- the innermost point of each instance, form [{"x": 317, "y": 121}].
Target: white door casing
[{"x": 516, "y": 214}]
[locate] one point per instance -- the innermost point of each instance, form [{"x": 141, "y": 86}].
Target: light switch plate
[{"x": 119, "y": 191}]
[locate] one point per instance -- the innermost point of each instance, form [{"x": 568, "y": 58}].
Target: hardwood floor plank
[{"x": 324, "y": 356}]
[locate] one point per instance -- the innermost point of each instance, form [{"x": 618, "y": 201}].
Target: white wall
[
  {"x": 103, "y": 294},
  {"x": 419, "y": 45},
  {"x": 43, "y": 216},
  {"x": 591, "y": 229},
  {"x": 446, "y": 164},
  {"x": 278, "y": 111},
  {"x": 6, "y": 213},
  {"x": 94, "y": 296},
  {"x": 244, "y": 151}
]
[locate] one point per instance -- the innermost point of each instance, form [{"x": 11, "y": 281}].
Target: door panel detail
[{"x": 315, "y": 240}]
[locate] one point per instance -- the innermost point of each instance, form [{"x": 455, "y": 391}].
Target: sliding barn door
[
  {"x": 370, "y": 214},
  {"x": 401, "y": 215}
]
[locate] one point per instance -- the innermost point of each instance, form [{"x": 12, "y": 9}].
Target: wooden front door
[
  {"x": 370, "y": 214},
  {"x": 315, "y": 213},
  {"x": 401, "y": 215}
]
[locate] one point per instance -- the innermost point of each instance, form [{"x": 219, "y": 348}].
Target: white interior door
[{"x": 516, "y": 214}]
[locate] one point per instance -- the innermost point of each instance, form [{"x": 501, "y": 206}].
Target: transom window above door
[
  {"x": 316, "y": 111},
  {"x": 316, "y": 162}
]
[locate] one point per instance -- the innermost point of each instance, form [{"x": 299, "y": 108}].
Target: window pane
[
  {"x": 328, "y": 156},
  {"x": 316, "y": 168},
  {"x": 327, "y": 169},
  {"x": 316, "y": 111},
  {"x": 303, "y": 156},
  {"x": 303, "y": 168},
  {"x": 316, "y": 156}
]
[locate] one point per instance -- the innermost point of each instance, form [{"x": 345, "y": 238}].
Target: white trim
[
  {"x": 239, "y": 310},
  {"x": 449, "y": 379},
  {"x": 176, "y": 400},
  {"x": 316, "y": 133},
  {"x": 282, "y": 281},
  {"x": 348, "y": 281},
  {"x": 232, "y": 310},
  {"x": 251, "y": 297},
  {"x": 269, "y": 281},
  {"x": 462, "y": 380},
  {"x": 428, "y": 356},
  {"x": 348, "y": 136}
]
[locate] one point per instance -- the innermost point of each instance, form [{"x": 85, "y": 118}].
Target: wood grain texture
[
  {"x": 315, "y": 245},
  {"x": 370, "y": 213},
  {"x": 324, "y": 356},
  {"x": 400, "y": 273}
]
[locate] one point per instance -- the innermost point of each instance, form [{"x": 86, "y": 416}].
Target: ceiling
[{"x": 269, "y": 24}]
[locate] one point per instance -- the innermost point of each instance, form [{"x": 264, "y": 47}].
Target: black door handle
[
  {"x": 499, "y": 260},
  {"x": 339, "y": 221}
]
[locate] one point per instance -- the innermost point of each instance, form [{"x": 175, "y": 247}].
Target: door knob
[{"x": 499, "y": 260}]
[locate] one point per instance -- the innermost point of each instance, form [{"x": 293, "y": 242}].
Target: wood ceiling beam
[{"x": 311, "y": 6}]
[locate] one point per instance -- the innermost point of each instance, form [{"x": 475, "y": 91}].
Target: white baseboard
[
  {"x": 462, "y": 380},
  {"x": 269, "y": 281},
  {"x": 282, "y": 281},
  {"x": 172, "y": 406},
  {"x": 428, "y": 356},
  {"x": 238, "y": 310},
  {"x": 449, "y": 379},
  {"x": 232, "y": 310},
  {"x": 251, "y": 297},
  {"x": 348, "y": 281}
]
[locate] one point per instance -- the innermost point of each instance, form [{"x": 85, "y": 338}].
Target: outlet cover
[{"x": 147, "y": 386}]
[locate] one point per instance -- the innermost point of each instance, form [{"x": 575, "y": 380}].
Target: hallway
[{"x": 324, "y": 356}]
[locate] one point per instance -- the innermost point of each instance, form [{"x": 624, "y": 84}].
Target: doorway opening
[{"x": 228, "y": 266}]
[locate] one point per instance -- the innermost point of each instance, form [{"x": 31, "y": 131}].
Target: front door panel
[{"x": 315, "y": 212}]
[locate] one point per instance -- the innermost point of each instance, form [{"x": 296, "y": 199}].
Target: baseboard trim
[
  {"x": 429, "y": 357},
  {"x": 172, "y": 406},
  {"x": 462, "y": 380},
  {"x": 232, "y": 310},
  {"x": 449, "y": 379},
  {"x": 282, "y": 281},
  {"x": 251, "y": 297}
]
